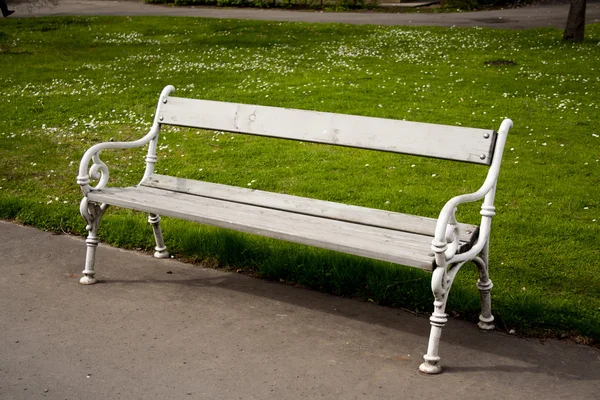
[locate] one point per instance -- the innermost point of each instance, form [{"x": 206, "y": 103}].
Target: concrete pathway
[
  {"x": 162, "y": 329},
  {"x": 518, "y": 18}
]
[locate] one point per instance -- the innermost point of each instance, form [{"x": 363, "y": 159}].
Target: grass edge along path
[
  {"x": 344, "y": 275},
  {"x": 72, "y": 82}
]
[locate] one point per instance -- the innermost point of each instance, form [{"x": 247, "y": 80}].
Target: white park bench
[{"x": 440, "y": 246}]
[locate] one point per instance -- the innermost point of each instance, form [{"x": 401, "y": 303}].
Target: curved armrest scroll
[
  {"x": 447, "y": 214},
  {"x": 99, "y": 170}
]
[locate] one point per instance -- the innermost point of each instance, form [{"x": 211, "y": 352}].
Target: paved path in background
[
  {"x": 162, "y": 329},
  {"x": 519, "y": 18}
]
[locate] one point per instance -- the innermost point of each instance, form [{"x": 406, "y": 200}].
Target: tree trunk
[{"x": 574, "y": 31}]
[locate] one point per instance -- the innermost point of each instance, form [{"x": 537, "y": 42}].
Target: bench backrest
[{"x": 430, "y": 140}]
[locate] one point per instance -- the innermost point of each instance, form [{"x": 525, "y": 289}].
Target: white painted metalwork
[
  {"x": 92, "y": 212},
  {"x": 99, "y": 170},
  {"x": 448, "y": 262},
  {"x": 399, "y": 238},
  {"x": 160, "y": 249}
]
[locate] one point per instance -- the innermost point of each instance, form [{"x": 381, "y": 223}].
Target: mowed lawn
[{"x": 68, "y": 83}]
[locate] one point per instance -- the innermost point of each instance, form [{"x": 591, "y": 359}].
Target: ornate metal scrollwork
[
  {"x": 441, "y": 282},
  {"x": 91, "y": 212},
  {"x": 445, "y": 245},
  {"x": 98, "y": 172},
  {"x": 452, "y": 237}
]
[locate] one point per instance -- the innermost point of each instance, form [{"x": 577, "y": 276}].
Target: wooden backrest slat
[{"x": 430, "y": 140}]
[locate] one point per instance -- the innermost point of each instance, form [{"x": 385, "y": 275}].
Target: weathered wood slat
[
  {"x": 362, "y": 240},
  {"x": 228, "y": 211},
  {"x": 301, "y": 205},
  {"x": 430, "y": 140}
]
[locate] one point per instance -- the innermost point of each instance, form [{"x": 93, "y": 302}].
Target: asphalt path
[
  {"x": 515, "y": 18},
  {"x": 162, "y": 329}
]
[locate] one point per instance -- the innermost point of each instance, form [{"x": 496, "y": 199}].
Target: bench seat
[{"x": 378, "y": 234}]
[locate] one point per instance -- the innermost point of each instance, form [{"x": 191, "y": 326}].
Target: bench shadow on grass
[{"x": 557, "y": 361}]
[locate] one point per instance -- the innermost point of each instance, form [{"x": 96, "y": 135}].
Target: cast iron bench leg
[
  {"x": 160, "y": 249},
  {"x": 440, "y": 284},
  {"x": 92, "y": 213},
  {"x": 484, "y": 284}
]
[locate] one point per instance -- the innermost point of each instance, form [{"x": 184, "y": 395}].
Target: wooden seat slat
[
  {"x": 302, "y": 205},
  {"x": 362, "y": 240}
]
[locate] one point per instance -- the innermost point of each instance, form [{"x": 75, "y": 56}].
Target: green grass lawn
[{"x": 68, "y": 83}]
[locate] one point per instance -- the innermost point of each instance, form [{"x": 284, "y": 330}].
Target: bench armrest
[
  {"x": 447, "y": 221},
  {"x": 99, "y": 170}
]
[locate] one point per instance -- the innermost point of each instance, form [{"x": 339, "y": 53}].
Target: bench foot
[
  {"x": 161, "y": 254},
  {"x": 486, "y": 324},
  {"x": 88, "y": 280},
  {"x": 430, "y": 367},
  {"x": 160, "y": 249}
]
